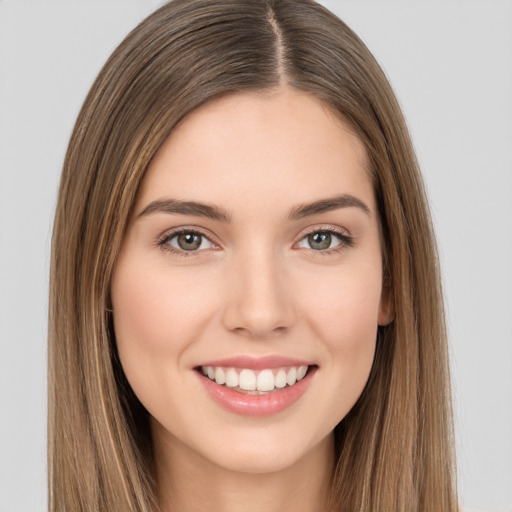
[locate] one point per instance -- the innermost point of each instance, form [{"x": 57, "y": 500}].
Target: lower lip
[{"x": 257, "y": 405}]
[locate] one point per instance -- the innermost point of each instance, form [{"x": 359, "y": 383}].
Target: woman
[{"x": 245, "y": 303}]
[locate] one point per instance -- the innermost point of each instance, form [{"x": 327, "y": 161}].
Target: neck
[{"x": 188, "y": 482}]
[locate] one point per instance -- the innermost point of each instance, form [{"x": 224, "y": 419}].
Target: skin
[{"x": 255, "y": 287}]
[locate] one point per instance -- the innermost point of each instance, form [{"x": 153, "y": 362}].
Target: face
[{"x": 253, "y": 257}]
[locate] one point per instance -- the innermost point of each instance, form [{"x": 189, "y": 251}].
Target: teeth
[
  {"x": 301, "y": 372},
  {"x": 231, "y": 378},
  {"x": 249, "y": 380},
  {"x": 280, "y": 381},
  {"x": 291, "y": 378},
  {"x": 220, "y": 376},
  {"x": 265, "y": 381}
]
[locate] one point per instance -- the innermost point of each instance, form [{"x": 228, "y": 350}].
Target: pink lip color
[
  {"x": 257, "y": 363},
  {"x": 256, "y": 405}
]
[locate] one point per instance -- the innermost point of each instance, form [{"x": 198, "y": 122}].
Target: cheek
[
  {"x": 345, "y": 315},
  {"x": 155, "y": 309},
  {"x": 156, "y": 319},
  {"x": 345, "y": 320}
]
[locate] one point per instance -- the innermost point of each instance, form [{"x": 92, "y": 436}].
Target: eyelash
[
  {"x": 346, "y": 241},
  {"x": 163, "y": 242}
]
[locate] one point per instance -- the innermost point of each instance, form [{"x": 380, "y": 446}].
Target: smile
[
  {"x": 246, "y": 380},
  {"x": 256, "y": 386}
]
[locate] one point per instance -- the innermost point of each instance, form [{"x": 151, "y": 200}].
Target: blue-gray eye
[
  {"x": 321, "y": 240},
  {"x": 189, "y": 241}
]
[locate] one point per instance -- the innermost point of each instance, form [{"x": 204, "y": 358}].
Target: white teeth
[
  {"x": 231, "y": 378},
  {"x": 280, "y": 380},
  {"x": 220, "y": 376},
  {"x": 247, "y": 380},
  {"x": 265, "y": 381},
  {"x": 291, "y": 378}
]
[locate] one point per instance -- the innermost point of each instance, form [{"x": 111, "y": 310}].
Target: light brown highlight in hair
[{"x": 395, "y": 448}]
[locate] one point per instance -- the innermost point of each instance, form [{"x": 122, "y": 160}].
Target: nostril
[{"x": 259, "y": 308}]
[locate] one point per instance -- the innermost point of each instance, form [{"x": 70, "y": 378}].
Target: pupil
[
  {"x": 320, "y": 241},
  {"x": 189, "y": 241}
]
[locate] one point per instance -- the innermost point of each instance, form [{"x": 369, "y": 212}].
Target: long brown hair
[{"x": 395, "y": 447}]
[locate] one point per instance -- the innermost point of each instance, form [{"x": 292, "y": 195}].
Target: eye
[
  {"x": 188, "y": 241},
  {"x": 325, "y": 240}
]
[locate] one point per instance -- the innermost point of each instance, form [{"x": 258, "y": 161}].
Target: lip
[
  {"x": 257, "y": 363},
  {"x": 255, "y": 405}
]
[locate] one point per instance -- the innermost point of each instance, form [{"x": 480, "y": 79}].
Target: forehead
[{"x": 280, "y": 146}]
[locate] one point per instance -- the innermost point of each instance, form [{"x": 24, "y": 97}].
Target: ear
[{"x": 386, "y": 305}]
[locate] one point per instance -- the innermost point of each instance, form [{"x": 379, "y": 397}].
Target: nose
[{"x": 259, "y": 303}]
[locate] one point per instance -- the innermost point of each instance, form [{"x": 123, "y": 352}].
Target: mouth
[
  {"x": 255, "y": 382},
  {"x": 256, "y": 388}
]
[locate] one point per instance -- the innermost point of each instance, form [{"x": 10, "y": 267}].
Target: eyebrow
[
  {"x": 209, "y": 211},
  {"x": 174, "y": 206},
  {"x": 327, "y": 205}
]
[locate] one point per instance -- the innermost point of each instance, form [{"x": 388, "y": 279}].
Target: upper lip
[{"x": 257, "y": 363}]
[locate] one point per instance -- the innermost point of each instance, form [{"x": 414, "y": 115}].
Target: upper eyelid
[
  {"x": 203, "y": 232},
  {"x": 337, "y": 230},
  {"x": 170, "y": 233},
  {"x": 344, "y": 237}
]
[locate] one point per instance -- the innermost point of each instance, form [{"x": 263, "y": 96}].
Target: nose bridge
[{"x": 258, "y": 300}]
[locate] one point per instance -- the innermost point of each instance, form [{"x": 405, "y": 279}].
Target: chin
[
  {"x": 257, "y": 462},
  {"x": 265, "y": 454}
]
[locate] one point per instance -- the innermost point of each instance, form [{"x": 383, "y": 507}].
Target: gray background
[{"x": 451, "y": 65}]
